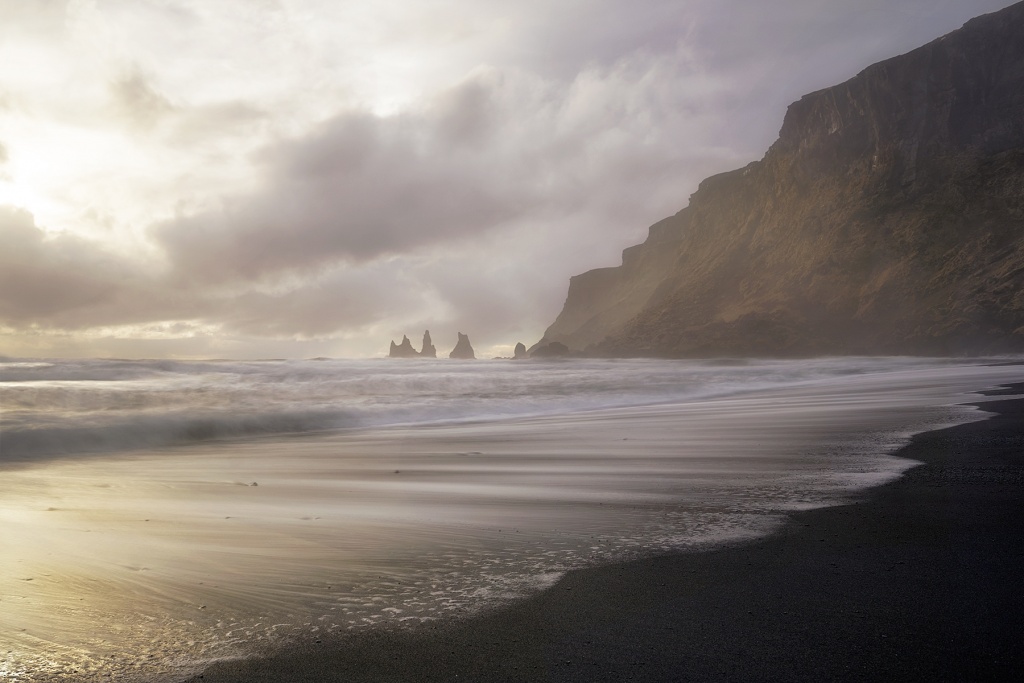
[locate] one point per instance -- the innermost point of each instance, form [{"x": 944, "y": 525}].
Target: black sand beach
[{"x": 919, "y": 580}]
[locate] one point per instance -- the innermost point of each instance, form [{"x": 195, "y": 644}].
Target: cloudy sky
[{"x": 296, "y": 178}]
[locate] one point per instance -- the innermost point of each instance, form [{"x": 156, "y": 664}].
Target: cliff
[{"x": 887, "y": 218}]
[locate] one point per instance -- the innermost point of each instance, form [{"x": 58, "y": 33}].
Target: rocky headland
[{"x": 888, "y": 218}]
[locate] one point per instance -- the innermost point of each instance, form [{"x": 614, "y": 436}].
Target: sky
[{"x": 303, "y": 178}]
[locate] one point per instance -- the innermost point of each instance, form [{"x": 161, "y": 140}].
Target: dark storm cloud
[
  {"x": 42, "y": 278},
  {"x": 505, "y": 147},
  {"x": 64, "y": 282},
  {"x": 67, "y": 282},
  {"x": 363, "y": 186},
  {"x": 501, "y": 150},
  {"x": 470, "y": 209}
]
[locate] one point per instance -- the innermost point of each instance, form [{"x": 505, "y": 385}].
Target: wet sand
[{"x": 918, "y": 580}]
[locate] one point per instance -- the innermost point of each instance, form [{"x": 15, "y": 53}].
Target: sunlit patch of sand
[{"x": 147, "y": 565}]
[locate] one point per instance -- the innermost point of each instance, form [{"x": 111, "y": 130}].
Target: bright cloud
[{"x": 302, "y": 177}]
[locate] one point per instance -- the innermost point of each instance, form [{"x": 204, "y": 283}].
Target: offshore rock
[
  {"x": 888, "y": 218},
  {"x": 550, "y": 350},
  {"x": 403, "y": 350},
  {"x": 463, "y": 349},
  {"x": 428, "y": 350},
  {"x": 520, "y": 352}
]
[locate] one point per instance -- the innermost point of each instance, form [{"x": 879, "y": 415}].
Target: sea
[{"x": 160, "y": 515}]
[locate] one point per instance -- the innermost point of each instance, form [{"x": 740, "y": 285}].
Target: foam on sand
[{"x": 148, "y": 564}]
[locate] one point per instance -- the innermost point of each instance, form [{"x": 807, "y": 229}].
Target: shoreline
[{"x": 917, "y": 579}]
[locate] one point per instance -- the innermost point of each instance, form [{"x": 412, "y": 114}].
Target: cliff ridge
[{"x": 888, "y": 218}]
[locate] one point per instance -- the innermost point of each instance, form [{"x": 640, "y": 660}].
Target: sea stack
[
  {"x": 463, "y": 349},
  {"x": 520, "y": 352},
  {"x": 403, "y": 350},
  {"x": 428, "y": 351}
]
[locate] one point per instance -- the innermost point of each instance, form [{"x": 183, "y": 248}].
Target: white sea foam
[
  {"x": 53, "y": 408},
  {"x": 124, "y": 556}
]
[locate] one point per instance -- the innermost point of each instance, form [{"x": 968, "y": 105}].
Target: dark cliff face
[{"x": 887, "y": 218}]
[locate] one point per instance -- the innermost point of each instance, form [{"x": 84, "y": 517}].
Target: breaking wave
[{"x": 68, "y": 407}]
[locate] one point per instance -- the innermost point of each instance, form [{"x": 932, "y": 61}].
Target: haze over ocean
[
  {"x": 159, "y": 515},
  {"x": 195, "y": 194}
]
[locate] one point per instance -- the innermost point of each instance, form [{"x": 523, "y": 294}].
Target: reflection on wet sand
[{"x": 151, "y": 563}]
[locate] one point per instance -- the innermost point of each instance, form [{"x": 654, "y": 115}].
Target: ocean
[{"x": 160, "y": 515}]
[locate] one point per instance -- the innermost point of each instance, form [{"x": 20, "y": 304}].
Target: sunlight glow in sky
[{"x": 302, "y": 177}]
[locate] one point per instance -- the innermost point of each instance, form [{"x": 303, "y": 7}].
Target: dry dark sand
[{"x": 920, "y": 580}]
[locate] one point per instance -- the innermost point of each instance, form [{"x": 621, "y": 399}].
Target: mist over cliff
[{"x": 888, "y": 218}]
